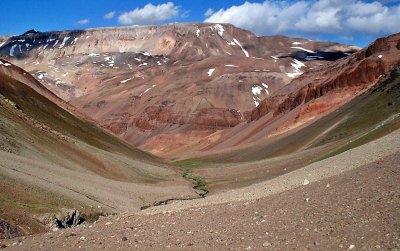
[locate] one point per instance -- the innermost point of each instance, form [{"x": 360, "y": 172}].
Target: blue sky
[{"x": 356, "y": 22}]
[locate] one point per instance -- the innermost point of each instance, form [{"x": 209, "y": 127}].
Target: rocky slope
[
  {"x": 325, "y": 206},
  {"x": 314, "y": 94},
  {"x": 51, "y": 159},
  {"x": 158, "y": 87}
]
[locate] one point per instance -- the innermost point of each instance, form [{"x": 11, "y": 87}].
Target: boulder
[{"x": 66, "y": 218}]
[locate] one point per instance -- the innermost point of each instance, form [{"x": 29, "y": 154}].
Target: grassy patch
[
  {"x": 370, "y": 136},
  {"x": 198, "y": 182},
  {"x": 30, "y": 205},
  {"x": 189, "y": 163}
]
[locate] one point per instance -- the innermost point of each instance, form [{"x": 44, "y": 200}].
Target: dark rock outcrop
[
  {"x": 66, "y": 218},
  {"x": 8, "y": 231}
]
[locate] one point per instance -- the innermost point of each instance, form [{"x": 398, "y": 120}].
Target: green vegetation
[
  {"x": 29, "y": 206},
  {"x": 189, "y": 163},
  {"x": 371, "y": 116},
  {"x": 198, "y": 182}
]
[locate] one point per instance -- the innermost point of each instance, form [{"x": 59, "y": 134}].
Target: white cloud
[
  {"x": 84, "y": 21},
  {"x": 209, "y": 12},
  {"x": 149, "y": 14},
  {"x": 342, "y": 17},
  {"x": 109, "y": 15}
]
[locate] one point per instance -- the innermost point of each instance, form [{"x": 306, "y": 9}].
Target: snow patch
[
  {"x": 210, "y": 72},
  {"x": 94, "y": 55},
  {"x": 231, "y": 65},
  {"x": 380, "y": 56},
  {"x": 12, "y": 50},
  {"x": 256, "y": 102},
  {"x": 220, "y": 29},
  {"x": 198, "y": 32},
  {"x": 2, "y": 44},
  {"x": 244, "y": 51},
  {"x": 296, "y": 43},
  {"x": 4, "y": 63},
  {"x": 256, "y": 90},
  {"x": 143, "y": 64},
  {"x": 297, "y": 65},
  {"x": 148, "y": 89},
  {"x": 265, "y": 88},
  {"x": 127, "y": 80},
  {"x": 293, "y": 75},
  {"x": 303, "y": 49}
]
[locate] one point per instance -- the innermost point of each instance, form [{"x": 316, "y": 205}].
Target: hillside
[
  {"x": 51, "y": 159},
  {"x": 367, "y": 117},
  {"x": 326, "y": 205},
  {"x": 130, "y": 80},
  {"x": 316, "y": 94}
]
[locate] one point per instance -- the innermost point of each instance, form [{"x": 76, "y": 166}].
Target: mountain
[
  {"x": 313, "y": 95},
  {"x": 253, "y": 125},
  {"x": 130, "y": 80},
  {"x": 52, "y": 159}
]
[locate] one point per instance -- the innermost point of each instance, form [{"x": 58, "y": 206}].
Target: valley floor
[{"x": 350, "y": 201}]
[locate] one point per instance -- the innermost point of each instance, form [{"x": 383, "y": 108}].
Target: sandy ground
[{"x": 348, "y": 202}]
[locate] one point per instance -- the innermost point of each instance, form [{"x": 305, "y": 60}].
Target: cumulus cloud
[
  {"x": 83, "y": 21},
  {"x": 312, "y": 17},
  {"x": 209, "y": 12},
  {"x": 150, "y": 14},
  {"x": 109, "y": 15}
]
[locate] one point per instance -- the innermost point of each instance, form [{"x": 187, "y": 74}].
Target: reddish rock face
[
  {"x": 356, "y": 73},
  {"x": 216, "y": 118},
  {"x": 143, "y": 83}
]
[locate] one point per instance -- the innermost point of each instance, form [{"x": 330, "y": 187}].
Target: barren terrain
[{"x": 323, "y": 206}]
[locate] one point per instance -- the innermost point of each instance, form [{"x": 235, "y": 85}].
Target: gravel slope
[
  {"x": 352, "y": 201},
  {"x": 90, "y": 188},
  {"x": 346, "y": 161}
]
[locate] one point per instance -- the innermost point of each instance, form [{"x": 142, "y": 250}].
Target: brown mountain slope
[
  {"x": 51, "y": 159},
  {"x": 314, "y": 94},
  {"x": 336, "y": 210},
  {"x": 164, "y": 87}
]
